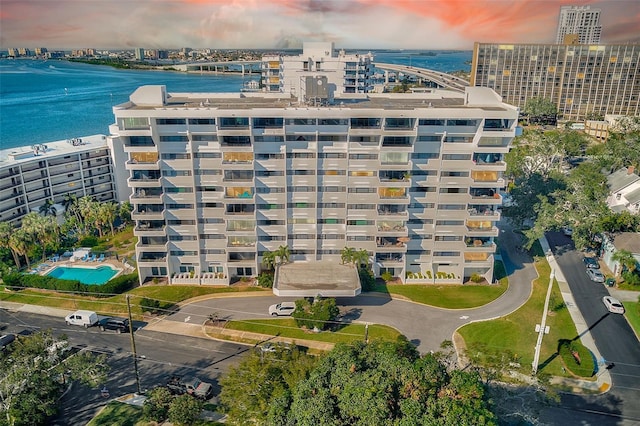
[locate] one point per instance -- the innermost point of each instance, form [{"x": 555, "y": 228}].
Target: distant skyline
[{"x": 276, "y": 24}]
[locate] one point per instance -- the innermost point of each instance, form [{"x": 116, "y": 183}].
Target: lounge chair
[
  {"x": 101, "y": 258},
  {"x": 92, "y": 258},
  {"x": 85, "y": 258}
]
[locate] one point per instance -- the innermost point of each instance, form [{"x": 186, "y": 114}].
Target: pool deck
[{"x": 46, "y": 267}]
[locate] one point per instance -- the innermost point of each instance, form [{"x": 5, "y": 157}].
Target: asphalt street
[
  {"x": 159, "y": 356},
  {"x": 614, "y": 337}
]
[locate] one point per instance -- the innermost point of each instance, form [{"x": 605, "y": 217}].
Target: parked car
[
  {"x": 84, "y": 318},
  {"x": 613, "y": 305},
  {"x": 6, "y": 340},
  {"x": 591, "y": 262},
  {"x": 595, "y": 275},
  {"x": 191, "y": 385},
  {"x": 567, "y": 230},
  {"x": 282, "y": 309},
  {"x": 119, "y": 325}
]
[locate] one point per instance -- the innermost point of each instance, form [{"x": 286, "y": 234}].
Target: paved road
[
  {"x": 160, "y": 355},
  {"x": 425, "y": 326},
  {"x": 612, "y": 334}
]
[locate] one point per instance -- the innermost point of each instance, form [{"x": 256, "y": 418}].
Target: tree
[
  {"x": 269, "y": 260},
  {"x": 6, "y": 230},
  {"x": 34, "y": 368},
  {"x": 538, "y": 109},
  {"x": 626, "y": 260},
  {"x": 378, "y": 383},
  {"x": 347, "y": 254},
  {"x": 283, "y": 254},
  {"x": 258, "y": 390},
  {"x": 19, "y": 242},
  {"x": 48, "y": 208},
  {"x": 185, "y": 410},
  {"x": 156, "y": 406},
  {"x": 320, "y": 314}
]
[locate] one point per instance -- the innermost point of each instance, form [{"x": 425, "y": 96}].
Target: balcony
[
  {"x": 152, "y": 259},
  {"x": 148, "y": 212},
  {"x": 146, "y": 195},
  {"x": 392, "y": 210},
  {"x": 238, "y": 241},
  {"x": 392, "y": 193},
  {"x": 389, "y": 259},
  {"x": 483, "y": 212},
  {"x": 243, "y": 192},
  {"x": 392, "y": 228},
  {"x": 150, "y": 228},
  {"x": 391, "y": 243}
]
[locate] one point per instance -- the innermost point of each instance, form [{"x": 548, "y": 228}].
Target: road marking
[
  {"x": 187, "y": 319},
  {"x": 464, "y": 317}
]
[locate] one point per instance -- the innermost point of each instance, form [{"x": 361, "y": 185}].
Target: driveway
[{"x": 425, "y": 326}]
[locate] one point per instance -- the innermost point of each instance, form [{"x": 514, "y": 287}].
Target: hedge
[{"x": 120, "y": 284}]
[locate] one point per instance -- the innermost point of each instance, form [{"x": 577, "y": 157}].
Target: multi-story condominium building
[
  {"x": 31, "y": 175},
  {"x": 580, "y": 21},
  {"x": 584, "y": 81},
  {"x": 218, "y": 179},
  {"x": 344, "y": 73}
]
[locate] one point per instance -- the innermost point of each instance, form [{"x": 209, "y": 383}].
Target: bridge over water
[{"x": 442, "y": 79}]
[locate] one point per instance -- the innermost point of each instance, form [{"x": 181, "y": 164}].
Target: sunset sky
[{"x": 409, "y": 24}]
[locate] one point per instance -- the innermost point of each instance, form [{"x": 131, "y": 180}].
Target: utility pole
[
  {"x": 541, "y": 328},
  {"x": 133, "y": 347}
]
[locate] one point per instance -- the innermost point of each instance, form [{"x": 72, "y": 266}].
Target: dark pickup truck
[{"x": 192, "y": 385}]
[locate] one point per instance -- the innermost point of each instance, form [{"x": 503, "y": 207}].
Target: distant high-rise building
[
  {"x": 162, "y": 54},
  {"x": 346, "y": 73},
  {"x": 139, "y": 54},
  {"x": 583, "y": 81},
  {"x": 581, "y": 21}
]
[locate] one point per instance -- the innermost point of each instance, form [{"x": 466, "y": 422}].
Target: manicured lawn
[
  {"x": 116, "y": 305},
  {"x": 515, "y": 334},
  {"x": 118, "y": 414},
  {"x": 450, "y": 296},
  {"x": 633, "y": 315},
  {"x": 287, "y": 328}
]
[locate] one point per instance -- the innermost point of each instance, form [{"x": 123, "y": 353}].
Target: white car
[
  {"x": 282, "y": 309},
  {"x": 613, "y": 305},
  {"x": 595, "y": 275}
]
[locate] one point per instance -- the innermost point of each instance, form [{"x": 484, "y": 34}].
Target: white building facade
[
  {"x": 31, "y": 175},
  {"x": 217, "y": 180},
  {"x": 344, "y": 73},
  {"x": 582, "y": 21}
]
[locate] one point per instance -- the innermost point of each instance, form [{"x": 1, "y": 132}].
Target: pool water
[{"x": 96, "y": 276}]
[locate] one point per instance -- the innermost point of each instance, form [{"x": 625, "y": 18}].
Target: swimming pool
[{"x": 86, "y": 275}]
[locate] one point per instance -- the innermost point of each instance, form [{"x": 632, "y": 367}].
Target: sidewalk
[{"x": 603, "y": 382}]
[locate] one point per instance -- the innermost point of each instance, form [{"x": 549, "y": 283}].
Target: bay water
[{"x": 44, "y": 101}]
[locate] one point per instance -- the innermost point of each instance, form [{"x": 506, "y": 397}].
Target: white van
[{"x": 84, "y": 318}]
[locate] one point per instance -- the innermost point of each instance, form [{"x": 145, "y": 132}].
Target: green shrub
[
  {"x": 386, "y": 276},
  {"x": 631, "y": 278},
  {"x": 88, "y": 241},
  {"x": 117, "y": 285},
  {"x": 265, "y": 279},
  {"x": 476, "y": 278},
  {"x": 320, "y": 313},
  {"x": 149, "y": 305},
  {"x": 367, "y": 280},
  {"x": 100, "y": 248}
]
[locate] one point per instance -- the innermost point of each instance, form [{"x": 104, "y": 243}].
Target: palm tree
[
  {"x": 48, "y": 208},
  {"x": 20, "y": 242},
  {"x": 6, "y": 230},
  {"x": 626, "y": 260},
  {"x": 269, "y": 260},
  {"x": 108, "y": 213},
  {"x": 283, "y": 253},
  {"x": 347, "y": 254},
  {"x": 360, "y": 257},
  {"x": 41, "y": 229}
]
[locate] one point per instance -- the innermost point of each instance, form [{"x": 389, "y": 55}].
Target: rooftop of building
[
  {"x": 627, "y": 241},
  {"x": 325, "y": 278},
  {"x": 622, "y": 178},
  {"x": 23, "y": 154},
  {"x": 156, "y": 98}
]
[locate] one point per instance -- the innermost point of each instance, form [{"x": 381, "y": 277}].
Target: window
[
  {"x": 431, "y": 122},
  {"x": 449, "y": 222},
  {"x": 360, "y": 222},
  {"x": 173, "y": 138},
  {"x": 361, "y": 206},
  {"x": 394, "y": 157},
  {"x": 300, "y": 121},
  {"x": 423, "y": 189},
  {"x": 236, "y": 140},
  {"x": 331, "y": 221},
  {"x": 446, "y": 253},
  {"x": 204, "y": 138},
  {"x": 397, "y": 141},
  {"x": 268, "y": 123},
  {"x": 132, "y": 123},
  {"x": 425, "y": 155},
  {"x": 333, "y": 155},
  {"x": 234, "y": 122},
  {"x": 454, "y": 174},
  {"x": 448, "y": 238},
  {"x": 365, "y": 123},
  {"x": 178, "y": 190},
  {"x": 399, "y": 123},
  {"x": 456, "y": 157},
  {"x": 454, "y": 190},
  {"x": 363, "y": 156},
  {"x": 207, "y": 155},
  {"x": 170, "y": 121},
  {"x": 332, "y": 172},
  {"x": 268, "y": 156},
  {"x": 301, "y": 205},
  {"x": 175, "y": 173},
  {"x": 176, "y": 156},
  {"x": 362, "y": 190},
  {"x": 269, "y": 138},
  {"x": 452, "y": 206},
  {"x": 333, "y": 122},
  {"x": 331, "y": 205},
  {"x": 431, "y": 138},
  {"x": 301, "y": 155},
  {"x": 202, "y": 121},
  {"x": 269, "y": 173}
]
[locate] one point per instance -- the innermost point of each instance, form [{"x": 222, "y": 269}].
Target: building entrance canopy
[{"x": 310, "y": 279}]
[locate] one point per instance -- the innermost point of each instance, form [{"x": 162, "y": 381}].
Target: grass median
[
  {"x": 512, "y": 339},
  {"x": 346, "y": 333},
  {"x": 632, "y": 312}
]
